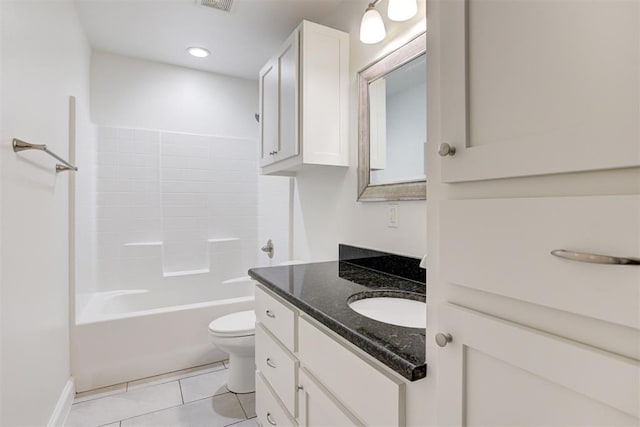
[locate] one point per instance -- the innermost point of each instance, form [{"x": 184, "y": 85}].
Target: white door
[
  {"x": 318, "y": 407},
  {"x": 269, "y": 132},
  {"x": 497, "y": 373},
  {"x": 288, "y": 98},
  {"x": 539, "y": 87}
]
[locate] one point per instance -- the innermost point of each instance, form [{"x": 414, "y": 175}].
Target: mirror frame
[{"x": 409, "y": 190}]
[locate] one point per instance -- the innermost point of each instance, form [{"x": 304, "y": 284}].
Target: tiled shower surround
[{"x": 174, "y": 205}]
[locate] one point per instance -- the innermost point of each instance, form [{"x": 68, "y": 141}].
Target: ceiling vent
[{"x": 224, "y": 5}]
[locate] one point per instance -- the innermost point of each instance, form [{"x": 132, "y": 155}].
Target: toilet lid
[{"x": 235, "y": 324}]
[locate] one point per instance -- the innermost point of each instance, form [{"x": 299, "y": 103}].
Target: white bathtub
[{"x": 130, "y": 334}]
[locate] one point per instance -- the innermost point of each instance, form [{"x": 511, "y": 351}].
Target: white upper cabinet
[
  {"x": 304, "y": 96},
  {"x": 570, "y": 68},
  {"x": 268, "y": 111}
]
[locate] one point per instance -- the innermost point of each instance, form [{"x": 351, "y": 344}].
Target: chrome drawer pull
[
  {"x": 271, "y": 421},
  {"x": 270, "y": 363},
  {"x": 594, "y": 258},
  {"x": 270, "y": 314}
]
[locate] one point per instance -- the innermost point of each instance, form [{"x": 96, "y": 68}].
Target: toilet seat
[{"x": 240, "y": 324}]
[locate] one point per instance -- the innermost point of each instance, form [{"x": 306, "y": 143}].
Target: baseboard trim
[{"x": 61, "y": 411}]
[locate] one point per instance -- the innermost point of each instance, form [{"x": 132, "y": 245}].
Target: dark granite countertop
[{"x": 321, "y": 290}]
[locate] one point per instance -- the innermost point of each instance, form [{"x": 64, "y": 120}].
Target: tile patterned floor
[{"x": 196, "y": 397}]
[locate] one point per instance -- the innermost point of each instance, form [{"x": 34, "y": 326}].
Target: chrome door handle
[
  {"x": 269, "y": 313},
  {"x": 443, "y": 339},
  {"x": 270, "y": 363},
  {"x": 594, "y": 258},
  {"x": 446, "y": 150},
  {"x": 271, "y": 421}
]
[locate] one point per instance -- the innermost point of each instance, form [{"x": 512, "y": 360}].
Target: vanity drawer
[
  {"x": 503, "y": 246},
  {"x": 375, "y": 397},
  {"x": 278, "y": 367},
  {"x": 279, "y": 319},
  {"x": 268, "y": 410}
]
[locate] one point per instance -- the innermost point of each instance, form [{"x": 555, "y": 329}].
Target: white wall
[
  {"x": 325, "y": 208},
  {"x": 133, "y": 93},
  {"x": 161, "y": 196},
  {"x": 84, "y": 190},
  {"x": 45, "y": 59}
]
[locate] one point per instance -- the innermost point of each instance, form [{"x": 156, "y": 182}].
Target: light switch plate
[{"x": 392, "y": 216}]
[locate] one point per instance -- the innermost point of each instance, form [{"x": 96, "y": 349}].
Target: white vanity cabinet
[
  {"x": 276, "y": 364},
  {"x": 318, "y": 407},
  {"x": 320, "y": 379},
  {"x": 304, "y": 95},
  {"x": 543, "y": 330},
  {"x": 497, "y": 372}
]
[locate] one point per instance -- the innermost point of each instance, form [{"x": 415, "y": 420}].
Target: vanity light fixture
[
  {"x": 198, "y": 52},
  {"x": 372, "y": 28},
  {"x": 402, "y": 10}
]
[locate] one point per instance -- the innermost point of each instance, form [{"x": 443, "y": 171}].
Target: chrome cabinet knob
[
  {"x": 446, "y": 150},
  {"x": 443, "y": 339}
]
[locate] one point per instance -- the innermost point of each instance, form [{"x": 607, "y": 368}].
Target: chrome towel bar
[
  {"x": 594, "y": 258},
  {"x": 19, "y": 145}
]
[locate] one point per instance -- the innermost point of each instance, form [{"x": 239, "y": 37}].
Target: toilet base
[{"x": 242, "y": 374}]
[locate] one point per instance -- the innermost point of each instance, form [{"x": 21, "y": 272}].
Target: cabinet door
[
  {"x": 495, "y": 372},
  {"x": 269, "y": 132},
  {"x": 288, "y": 98},
  {"x": 318, "y": 407},
  {"x": 558, "y": 94}
]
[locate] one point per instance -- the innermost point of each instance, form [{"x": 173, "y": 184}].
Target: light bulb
[
  {"x": 198, "y": 52},
  {"x": 401, "y": 10},
  {"x": 372, "y": 28}
]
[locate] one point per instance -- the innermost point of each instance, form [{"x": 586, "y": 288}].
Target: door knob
[
  {"x": 446, "y": 150},
  {"x": 443, "y": 339},
  {"x": 268, "y": 248}
]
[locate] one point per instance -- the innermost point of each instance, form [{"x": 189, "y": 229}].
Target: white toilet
[{"x": 235, "y": 334}]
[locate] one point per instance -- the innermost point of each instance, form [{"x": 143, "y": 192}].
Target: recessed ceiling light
[{"x": 198, "y": 52}]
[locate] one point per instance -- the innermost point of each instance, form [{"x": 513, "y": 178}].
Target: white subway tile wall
[{"x": 171, "y": 204}]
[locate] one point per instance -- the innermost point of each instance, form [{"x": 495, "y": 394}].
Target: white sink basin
[{"x": 393, "y": 310}]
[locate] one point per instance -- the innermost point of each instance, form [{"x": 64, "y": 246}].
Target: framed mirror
[{"x": 392, "y": 128}]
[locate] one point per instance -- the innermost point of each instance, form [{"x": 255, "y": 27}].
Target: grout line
[
  {"x": 181, "y": 395},
  {"x": 238, "y": 422},
  {"x": 176, "y": 406},
  {"x": 241, "y": 407}
]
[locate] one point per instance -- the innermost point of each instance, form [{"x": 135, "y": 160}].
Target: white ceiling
[{"x": 240, "y": 41}]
